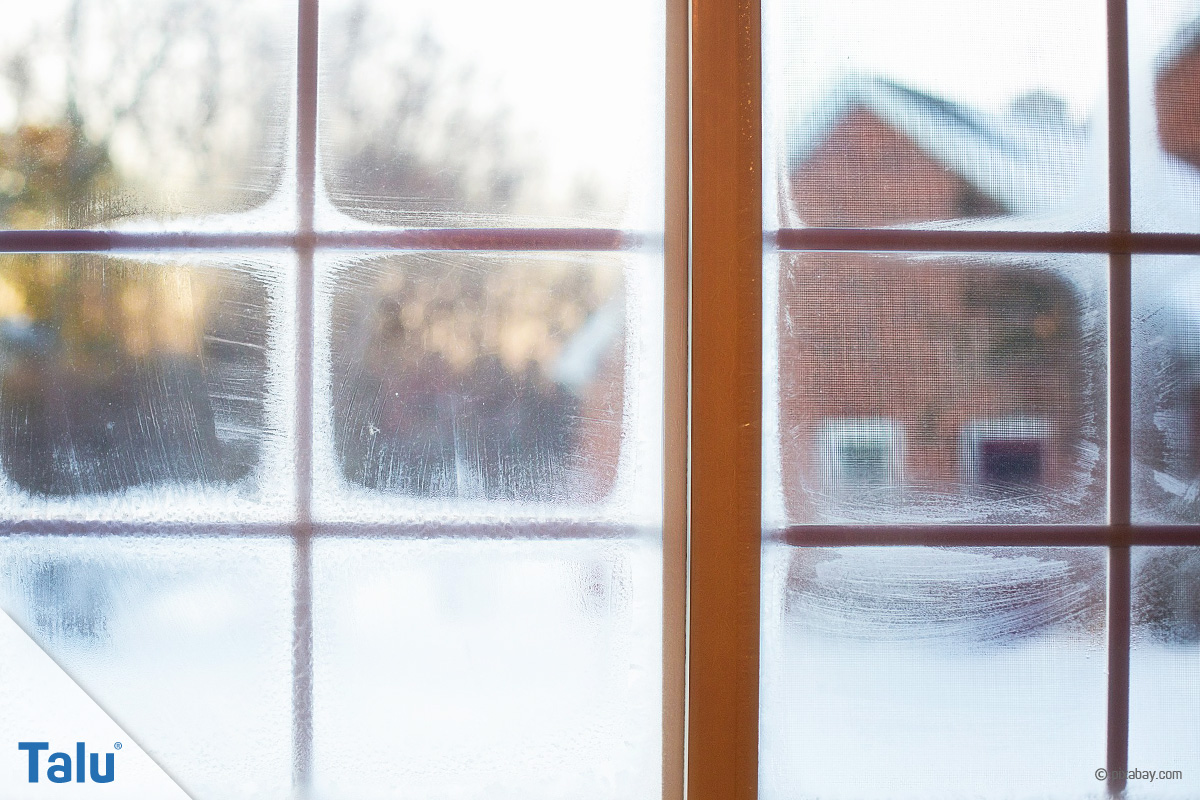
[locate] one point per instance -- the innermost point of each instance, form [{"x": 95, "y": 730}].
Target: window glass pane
[
  {"x": 127, "y": 382},
  {"x": 1164, "y": 671},
  {"x": 471, "y": 668},
  {"x": 491, "y": 381},
  {"x": 185, "y": 642},
  {"x": 115, "y": 109},
  {"x": 468, "y": 113},
  {"x": 1164, "y": 62},
  {"x": 920, "y": 111},
  {"x": 907, "y": 672},
  {"x": 950, "y": 388},
  {"x": 1166, "y": 389}
]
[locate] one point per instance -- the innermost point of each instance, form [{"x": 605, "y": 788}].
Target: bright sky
[{"x": 584, "y": 80}]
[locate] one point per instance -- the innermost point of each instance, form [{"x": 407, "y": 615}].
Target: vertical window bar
[
  {"x": 306, "y": 152},
  {"x": 1119, "y": 406}
]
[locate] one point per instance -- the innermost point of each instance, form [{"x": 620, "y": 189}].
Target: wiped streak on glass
[
  {"x": 477, "y": 378},
  {"x": 1165, "y": 670},
  {"x": 120, "y": 378},
  {"x": 490, "y": 386},
  {"x": 930, "y": 672}
]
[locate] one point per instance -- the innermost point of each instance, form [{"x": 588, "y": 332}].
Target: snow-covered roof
[{"x": 1029, "y": 158}]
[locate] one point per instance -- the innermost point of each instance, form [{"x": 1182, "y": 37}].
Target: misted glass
[
  {"x": 123, "y": 382},
  {"x": 461, "y": 379},
  {"x": 1166, "y": 389},
  {"x": 909, "y": 672},
  {"x": 143, "y": 113},
  {"x": 1164, "y": 672},
  {"x": 186, "y": 642},
  {"x": 939, "y": 388},
  {"x": 460, "y": 113},
  {"x": 462, "y": 668},
  {"x": 925, "y": 112},
  {"x": 1164, "y": 106}
]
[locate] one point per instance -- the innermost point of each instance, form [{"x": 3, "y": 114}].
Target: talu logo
[{"x": 59, "y": 765}]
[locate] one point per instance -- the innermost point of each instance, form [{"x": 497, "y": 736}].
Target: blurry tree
[
  {"x": 402, "y": 119},
  {"x": 445, "y": 367},
  {"x": 117, "y": 373},
  {"x": 127, "y": 109}
]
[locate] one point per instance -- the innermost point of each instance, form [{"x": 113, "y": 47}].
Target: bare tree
[{"x": 412, "y": 136}]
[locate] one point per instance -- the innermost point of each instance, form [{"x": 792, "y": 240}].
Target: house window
[
  {"x": 1006, "y": 454},
  {"x": 862, "y": 453},
  {"x": 1025, "y": 340},
  {"x": 385, "y": 377},
  {"x": 333, "y": 386}
]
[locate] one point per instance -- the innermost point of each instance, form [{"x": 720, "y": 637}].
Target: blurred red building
[{"x": 912, "y": 379}]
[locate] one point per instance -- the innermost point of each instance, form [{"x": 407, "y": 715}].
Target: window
[
  {"x": 1006, "y": 454},
  {"x": 963, "y": 230},
  {"x": 474, "y": 431},
  {"x": 861, "y": 453},
  {"x": 333, "y": 371}
]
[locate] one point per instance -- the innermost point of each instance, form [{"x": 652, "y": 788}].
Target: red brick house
[{"x": 921, "y": 385}]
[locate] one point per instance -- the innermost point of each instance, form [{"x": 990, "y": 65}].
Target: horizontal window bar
[
  {"x": 517, "y": 530},
  {"x": 798, "y": 535},
  {"x": 987, "y": 535},
  {"x": 970, "y": 241},
  {"x": 514, "y": 239}
]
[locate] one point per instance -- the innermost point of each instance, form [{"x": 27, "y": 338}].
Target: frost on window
[
  {"x": 477, "y": 668},
  {"x": 479, "y": 377},
  {"x": 908, "y": 672},
  {"x": 459, "y": 113},
  {"x": 1166, "y": 389},
  {"x": 187, "y": 642},
  {"x": 1164, "y": 44},
  {"x": 117, "y": 374},
  {"x": 121, "y": 109},
  {"x": 946, "y": 388},
  {"x": 922, "y": 112},
  {"x": 1164, "y": 666}
]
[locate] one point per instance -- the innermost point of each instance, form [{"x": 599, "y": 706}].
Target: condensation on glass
[
  {"x": 185, "y": 642},
  {"x": 462, "y": 380},
  {"x": 490, "y": 423},
  {"x": 1166, "y": 389},
  {"x": 126, "y": 381},
  {"x": 1164, "y": 80},
  {"x": 906, "y": 672},
  {"x": 467, "y": 114},
  {"x": 920, "y": 112},
  {"x": 942, "y": 388},
  {"x": 474, "y": 667},
  {"x": 139, "y": 113},
  {"x": 1164, "y": 671}
]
